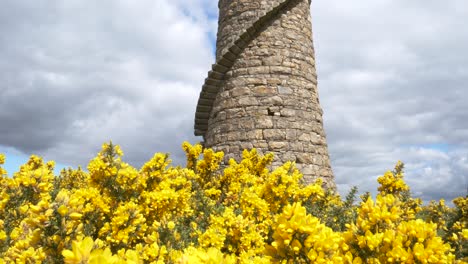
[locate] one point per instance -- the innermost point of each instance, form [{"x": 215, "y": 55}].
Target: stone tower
[{"x": 262, "y": 91}]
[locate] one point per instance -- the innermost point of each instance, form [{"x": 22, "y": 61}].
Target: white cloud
[
  {"x": 78, "y": 74},
  {"x": 392, "y": 75},
  {"x": 392, "y": 82}
]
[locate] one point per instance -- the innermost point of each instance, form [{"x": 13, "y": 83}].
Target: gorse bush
[{"x": 244, "y": 213}]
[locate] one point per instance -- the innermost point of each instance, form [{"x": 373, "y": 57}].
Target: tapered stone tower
[{"x": 262, "y": 91}]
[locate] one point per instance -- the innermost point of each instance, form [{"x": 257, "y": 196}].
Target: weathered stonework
[{"x": 262, "y": 91}]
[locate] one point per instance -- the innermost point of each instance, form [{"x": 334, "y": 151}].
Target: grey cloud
[
  {"x": 392, "y": 82},
  {"x": 393, "y": 74},
  {"x": 438, "y": 175},
  {"x": 77, "y": 74}
]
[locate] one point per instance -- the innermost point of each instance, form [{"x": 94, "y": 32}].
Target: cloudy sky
[{"x": 393, "y": 79}]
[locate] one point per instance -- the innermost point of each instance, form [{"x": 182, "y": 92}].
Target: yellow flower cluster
[
  {"x": 243, "y": 213},
  {"x": 2, "y": 170},
  {"x": 380, "y": 235},
  {"x": 301, "y": 238},
  {"x": 26, "y": 201},
  {"x": 392, "y": 182},
  {"x": 457, "y": 229}
]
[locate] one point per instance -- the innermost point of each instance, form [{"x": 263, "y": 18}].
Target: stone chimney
[{"x": 262, "y": 91}]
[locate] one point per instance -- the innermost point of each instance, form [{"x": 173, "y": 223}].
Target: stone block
[
  {"x": 239, "y": 91},
  {"x": 306, "y": 158},
  {"x": 264, "y": 122},
  {"x": 284, "y": 90},
  {"x": 288, "y": 112},
  {"x": 272, "y": 100},
  {"x": 244, "y": 101},
  {"x": 278, "y": 145},
  {"x": 274, "y": 134},
  {"x": 256, "y": 134},
  {"x": 291, "y": 134},
  {"x": 273, "y": 61},
  {"x": 288, "y": 156},
  {"x": 246, "y": 145},
  {"x": 280, "y": 70},
  {"x": 264, "y": 90},
  {"x": 260, "y": 144}
]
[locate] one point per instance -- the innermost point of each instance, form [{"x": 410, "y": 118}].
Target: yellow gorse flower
[{"x": 80, "y": 253}]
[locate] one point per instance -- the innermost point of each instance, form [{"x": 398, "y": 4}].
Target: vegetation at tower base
[{"x": 247, "y": 214}]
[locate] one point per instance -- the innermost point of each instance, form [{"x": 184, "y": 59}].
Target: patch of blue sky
[
  {"x": 213, "y": 45},
  {"x": 210, "y": 14},
  {"x": 15, "y": 158},
  {"x": 442, "y": 147}
]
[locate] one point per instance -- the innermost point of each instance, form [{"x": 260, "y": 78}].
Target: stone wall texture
[{"x": 262, "y": 91}]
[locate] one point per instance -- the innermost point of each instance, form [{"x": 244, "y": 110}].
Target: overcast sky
[{"x": 393, "y": 79}]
